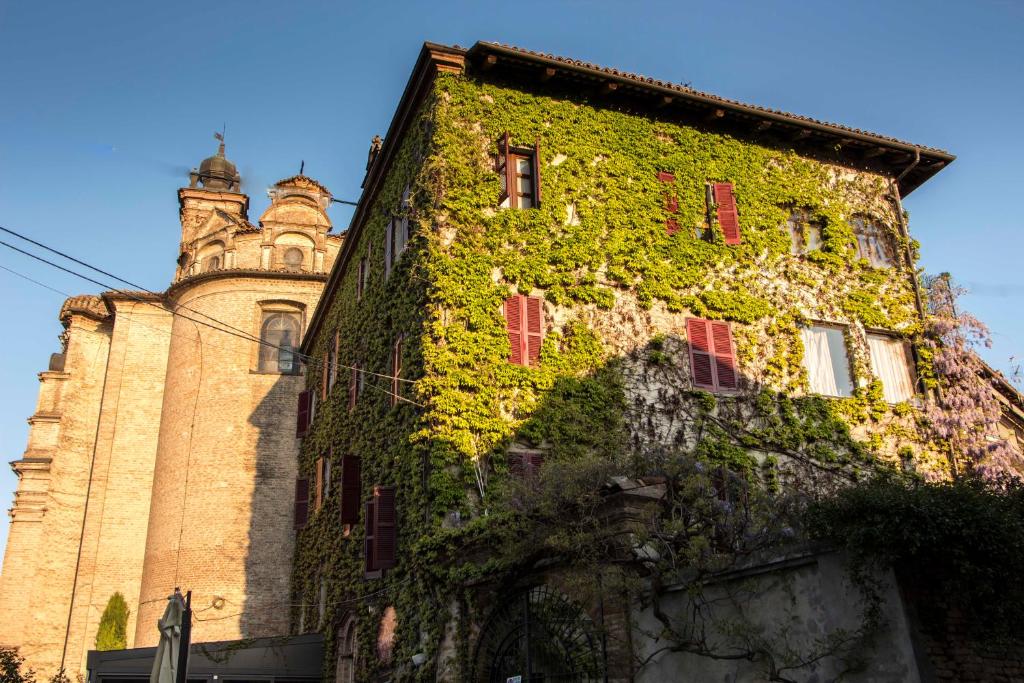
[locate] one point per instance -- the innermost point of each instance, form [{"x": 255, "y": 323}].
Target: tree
[
  {"x": 111, "y": 634},
  {"x": 965, "y": 411},
  {"x": 10, "y": 667}
]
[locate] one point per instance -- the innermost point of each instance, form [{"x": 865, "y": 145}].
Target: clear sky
[{"x": 105, "y": 105}]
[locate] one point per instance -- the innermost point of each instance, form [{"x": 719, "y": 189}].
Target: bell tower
[{"x": 212, "y": 208}]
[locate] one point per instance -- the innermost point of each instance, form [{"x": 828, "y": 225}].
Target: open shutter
[
  {"x": 728, "y": 220},
  {"x": 536, "y": 174},
  {"x": 534, "y": 328},
  {"x": 725, "y": 355},
  {"x": 699, "y": 337},
  {"x": 302, "y": 418},
  {"x": 514, "y": 322},
  {"x": 319, "y": 485},
  {"x": 384, "y": 534},
  {"x": 389, "y": 232},
  {"x": 505, "y": 168},
  {"x": 353, "y": 387},
  {"x": 351, "y": 489},
  {"x": 301, "y": 502},
  {"x": 370, "y": 542}
]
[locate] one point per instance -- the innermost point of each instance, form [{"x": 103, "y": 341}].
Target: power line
[{"x": 308, "y": 359}]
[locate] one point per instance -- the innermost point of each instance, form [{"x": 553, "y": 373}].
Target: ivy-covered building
[{"x": 565, "y": 290}]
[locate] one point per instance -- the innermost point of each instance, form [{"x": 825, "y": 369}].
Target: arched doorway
[
  {"x": 347, "y": 649},
  {"x": 541, "y": 632}
]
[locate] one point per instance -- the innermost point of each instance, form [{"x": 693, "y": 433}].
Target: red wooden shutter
[
  {"x": 319, "y": 485},
  {"x": 536, "y": 174},
  {"x": 370, "y": 544},
  {"x": 725, "y": 355},
  {"x": 353, "y": 387},
  {"x": 385, "y": 546},
  {"x": 727, "y": 217},
  {"x": 302, "y": 418},
  {"x": 671, "y": 226},
  {"x": 666, "y": 177},
  {"x": 351, "y": 489},
  {"x": 514, "y": 322},
  {"x": 534, "y": 328},
  {"x": 671, "y": 203},
  {"x": 700, "y": 353},
  {"x": 505, "y": 166},
  {"x": 301, "y": 502}
]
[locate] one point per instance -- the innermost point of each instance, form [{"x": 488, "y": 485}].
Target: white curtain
[
  {"x": 889, "y": 361},
  {"x": 828, "y": 367}
]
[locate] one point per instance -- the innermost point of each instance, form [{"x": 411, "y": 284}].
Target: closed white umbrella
[{"x": 165, "y": 666}]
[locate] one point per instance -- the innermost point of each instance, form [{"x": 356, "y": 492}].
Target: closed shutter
[
  {"x": 526, "y": 464},
  {"x": 671, "y": 226},
  {"x": 728, "y": 220},
  {"x": 712, "y": 354},
  {"x": 384, "y": 533},
  {"x": 700, "y": 353},
  {"x": 301, "y": 502},
  {"x": 370, "y": 542},
  {"x": 505, "y": 168},
  {"x": 319, "y": 485},
  {"x": 725, "y": 355},
  {"x": 302, "y": 418},
  {"x": 666, "y": 177},
  {"x": 351, "y": 489},
  {"x": 514, "y": 322},
  {"x": 536, "y": 174}
]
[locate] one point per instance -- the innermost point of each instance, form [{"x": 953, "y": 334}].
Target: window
[
  {"x": 712, "y": 355},
  {"x": 396, "y": 371},
  {"x": 828, "y": 366},
  {"x": 891, "y": 364},
  {"x": 380, "y": 540},
  {"x": 524, "y": 318},
  {"x": 345, "y": 671},
  {"x": 525, "y": 464},
  {"x": 293, "y": 259},
  {"x": 211, "y": 263},
  {"x": 874, "y": 244},
  {"x": 323, "y": 482},
  {"x": 725, "y": 207},
  {"x": 395, "y": 239},
  {"x": 804, "y": 232},
  {"x": 279, "y": 335},
  {"x": 519, "y": 168}
]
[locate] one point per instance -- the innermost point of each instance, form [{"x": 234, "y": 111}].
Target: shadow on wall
[{"x": 271, "y": 536}]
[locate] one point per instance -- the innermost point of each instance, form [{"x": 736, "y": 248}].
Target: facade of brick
[{"x": 162, "y": 452}]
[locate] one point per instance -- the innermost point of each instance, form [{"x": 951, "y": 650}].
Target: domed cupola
[{"x": 217, "y": 173}]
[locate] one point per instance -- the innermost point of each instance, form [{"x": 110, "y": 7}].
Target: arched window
[
  {"x": 345, "y": 670},
  {"x": 279, "y": 333},
  {"x": 211, "y": 263},
  {"x": 293, "y": 259}
]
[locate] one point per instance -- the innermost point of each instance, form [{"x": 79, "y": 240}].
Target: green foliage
[
  {"x": 960, "y": 542},
  {"x": 112, "y": 631},
  {"x": 11, "y": 670}
]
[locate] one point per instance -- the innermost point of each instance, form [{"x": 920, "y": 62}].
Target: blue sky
[{"x": 105, "y": 105}]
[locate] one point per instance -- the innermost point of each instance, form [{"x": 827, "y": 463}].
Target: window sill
[{"x": 272, "y": 372}]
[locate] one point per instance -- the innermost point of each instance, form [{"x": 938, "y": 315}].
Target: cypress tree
[{"x": 113, "y": 625}]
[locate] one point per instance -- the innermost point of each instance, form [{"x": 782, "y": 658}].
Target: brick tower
[{"x": 220, "y": 521}]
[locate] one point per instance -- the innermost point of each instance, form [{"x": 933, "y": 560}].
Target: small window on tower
[
  {"x": 211, "y": 263},
  {"x": 519, "y": 168},
  {"x": 293, "y": 259},
  {"x": 279, "y": 339}
]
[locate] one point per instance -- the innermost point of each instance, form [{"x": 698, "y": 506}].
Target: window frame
[
  {"x": 799, "y": 224},
  {"x": 908, "y": 357},
  {"x": 844, "y": 332},
  {"x": 877, "y": 239},
  {"x": 266, "y": 311},
  {"x": 508, "y": 168}
]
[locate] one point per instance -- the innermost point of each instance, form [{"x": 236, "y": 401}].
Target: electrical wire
[{"x": 309, "y": 360}]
